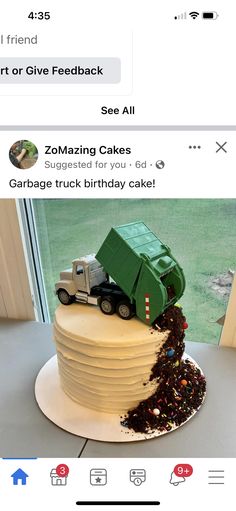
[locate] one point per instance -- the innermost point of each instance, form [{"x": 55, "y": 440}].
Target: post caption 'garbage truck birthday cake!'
[{"x": 119, "y": 334}]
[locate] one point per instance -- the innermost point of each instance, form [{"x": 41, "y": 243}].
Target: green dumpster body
[{"x": 143, "y": 267}]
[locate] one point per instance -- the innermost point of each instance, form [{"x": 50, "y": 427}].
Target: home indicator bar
[{"x": 117, "y": 503}]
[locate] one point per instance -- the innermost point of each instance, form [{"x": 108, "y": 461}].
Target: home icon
[
  {"x": 19, "y": 476},
  {"x": 57, "y": 480}
]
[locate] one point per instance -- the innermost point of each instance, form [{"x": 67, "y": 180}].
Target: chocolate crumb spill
[{"x": 181, "y": 388}]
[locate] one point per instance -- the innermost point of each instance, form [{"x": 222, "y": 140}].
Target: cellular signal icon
[
  {"x": 194, "y": 14},
  {"x": 182, "y": 16}
]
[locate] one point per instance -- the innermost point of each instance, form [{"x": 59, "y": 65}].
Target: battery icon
[{"x": 210, "y": 15}]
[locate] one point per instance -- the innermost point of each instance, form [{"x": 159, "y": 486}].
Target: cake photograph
[
  {"x": 135, "y": 354},
  {"x": 139, "y": 371}
]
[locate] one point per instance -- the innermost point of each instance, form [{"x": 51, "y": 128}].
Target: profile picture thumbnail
[{"x": 23, "y": 154}]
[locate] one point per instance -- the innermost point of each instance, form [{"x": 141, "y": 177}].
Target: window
[{"x": 201, "y": 234}]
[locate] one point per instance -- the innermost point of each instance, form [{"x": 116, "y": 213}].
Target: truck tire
[
  {"x": 124, "y": 309},
  {"x": 107, "y": 305},
  {"x": 64, "y": 297}
]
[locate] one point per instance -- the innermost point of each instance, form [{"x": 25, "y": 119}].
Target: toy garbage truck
[{"x": 132, "y": 273}]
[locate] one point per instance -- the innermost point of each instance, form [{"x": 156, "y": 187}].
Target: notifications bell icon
[{"x": 176, "y": 480}]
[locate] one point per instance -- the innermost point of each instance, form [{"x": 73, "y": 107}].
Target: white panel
[
  {"x": 228, "y": 336},
  {"x": 3, "y": 310},
  {"x": 16, "y": 300}
]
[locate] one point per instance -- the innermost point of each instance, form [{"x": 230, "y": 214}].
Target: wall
[
  {"x": 228, "y": 336},
  {"x": 15, "y": 294}
]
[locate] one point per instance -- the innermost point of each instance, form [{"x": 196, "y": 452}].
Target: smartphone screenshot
[{"x": 117, "y": 255}]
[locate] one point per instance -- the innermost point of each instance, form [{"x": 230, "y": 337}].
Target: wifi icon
[{"x": 194, "y": 14}]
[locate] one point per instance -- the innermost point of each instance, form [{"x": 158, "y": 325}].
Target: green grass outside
[{"x": 201, "y": 234}]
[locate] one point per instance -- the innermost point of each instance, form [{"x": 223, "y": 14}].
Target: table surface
[{"x": 25, "y": 432}]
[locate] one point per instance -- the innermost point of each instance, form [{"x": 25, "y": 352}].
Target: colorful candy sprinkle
[{"x": 181, "y": 386}]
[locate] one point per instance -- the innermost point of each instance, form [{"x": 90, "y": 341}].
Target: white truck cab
[{"x": 76, "y": 283}]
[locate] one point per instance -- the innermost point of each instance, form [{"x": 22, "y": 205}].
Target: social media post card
[
  {"x": 117, "y": 305},
  {"x": 57, "y": 51},
  {"x": 90, "y": 63}
]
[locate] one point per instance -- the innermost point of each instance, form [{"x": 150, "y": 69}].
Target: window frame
[{"x": 33, "y": 259}]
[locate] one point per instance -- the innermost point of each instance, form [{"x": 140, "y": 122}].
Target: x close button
[{"x": 221, "y": 147}]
